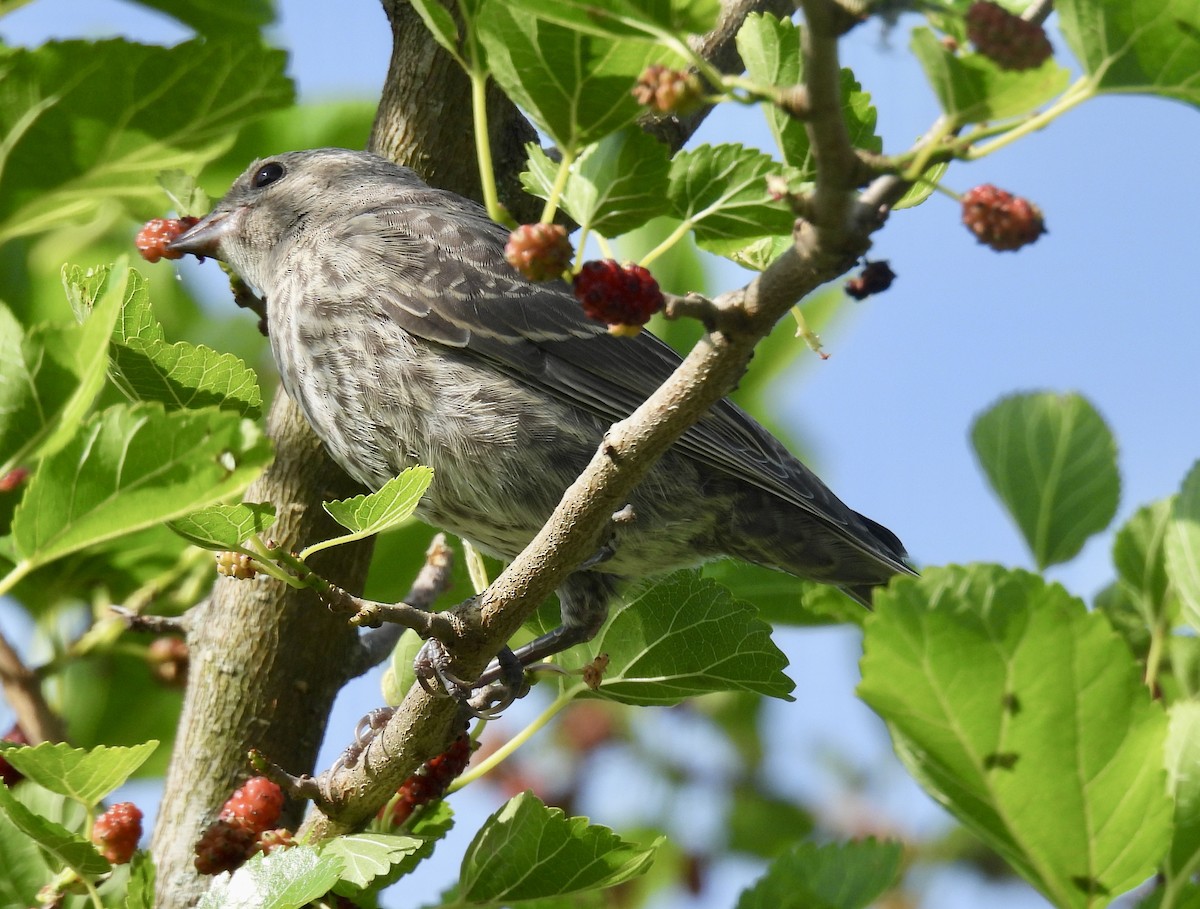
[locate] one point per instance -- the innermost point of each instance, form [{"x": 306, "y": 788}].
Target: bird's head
[{"x": 277, "y": 197}]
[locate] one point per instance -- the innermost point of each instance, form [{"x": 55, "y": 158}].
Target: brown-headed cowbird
[{"x": 405, "y": 338}]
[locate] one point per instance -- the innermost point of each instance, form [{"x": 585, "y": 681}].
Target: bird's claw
[{"x": 500, "y": 685}]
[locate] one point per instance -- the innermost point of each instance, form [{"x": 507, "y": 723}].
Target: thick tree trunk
[{"x": 266, "y": 661}]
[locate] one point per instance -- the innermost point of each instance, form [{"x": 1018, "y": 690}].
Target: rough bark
[{"x": 266, "y": 661}]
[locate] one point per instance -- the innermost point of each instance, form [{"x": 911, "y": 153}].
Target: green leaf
[
  {"x": 770, "y": 48},
  {"x": 528, "y": 851},
  {"x": 400, "y": 674},
  {"x": 441, "y": 25},
  {"x": 971, "y": 88},
  {"x": 923, "y": 188},
  {"x": 1145, "y": 46},
  {"x": 616, "y": 185},
  {"x": 686, "y": 636},
  {"x": 25, "y": 867},
  {"x": 429, "y": 826},
  {"x": 285, "y": 879},
  {"x": 781, "y": 599},
  {"x": 63, "y": 846},
  {"x": 90, "y": 123},
  {"x": 84, "y": 775},
  {"x": 222, "y": 527},
  {"x": 759, "y": 824},
  {"x": 366, "y": 856},
  {"x": 140, "y": 892},
  {"x": 1026, "y": 716},
  {"x": 1183, "y": 778},
  {"x": 390, "y": 506},
  {"x": 1182, "y": 547},
  {"x": 49, "y": 379},
  {"x": 1138, "y": 553},
  {"x": 132, "y": 467},
  {"x": 576, "y": 87},
  {"x": 186, "y": 196},
  {"x": 217, "y": 17},
  {"x": 721, "y": 191},
  {"x": 832, "y": 876},
  {"x": 1053, "y": 461},
  {"x": 147, "y": 368},
  {"x": 643, "y": 19}
]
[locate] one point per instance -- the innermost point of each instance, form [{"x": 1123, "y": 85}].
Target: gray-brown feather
[{"x": 406, "y": 338}]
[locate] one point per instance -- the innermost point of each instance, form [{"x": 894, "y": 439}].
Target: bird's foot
[{"x": 488, "y": 696}]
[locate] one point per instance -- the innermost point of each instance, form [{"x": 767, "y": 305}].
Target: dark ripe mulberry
[
  {"x": 223, "y": 846},
  {"x": 622, "y": 296},
  {"x": 1006, "y": 39},
  {"x": 875, "y": 278}
]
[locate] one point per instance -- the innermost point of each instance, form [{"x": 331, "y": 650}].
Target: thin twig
[
  {"x": 434, "y": 579},
  {"x": 23, "y": 691}
]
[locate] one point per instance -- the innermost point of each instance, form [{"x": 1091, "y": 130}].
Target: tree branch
[
  {"x": 23, "y": 691},
  {"x": 628, "y": 452}
]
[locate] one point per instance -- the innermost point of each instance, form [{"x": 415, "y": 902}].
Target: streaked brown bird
[{"x": 405, "y": 338}]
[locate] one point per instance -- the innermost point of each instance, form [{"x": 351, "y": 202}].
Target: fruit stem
[
  {"x": 483, "y": 148},
  {"x": 501, "y": 754},
  {"x": 560, "y": 183},
  {"x": 1081, "y": 90},
  {"x": 674, "y": 237}
]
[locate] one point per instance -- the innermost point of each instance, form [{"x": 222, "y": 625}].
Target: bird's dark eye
[{"x": 266, "y": 175}]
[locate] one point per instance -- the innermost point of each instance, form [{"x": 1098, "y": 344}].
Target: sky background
[{"x": 1105, "y": 304}]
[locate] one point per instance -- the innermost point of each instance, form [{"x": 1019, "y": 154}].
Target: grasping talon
[
  {"x": 364, "y": 733},
  {"x": 499, "y": 685}
]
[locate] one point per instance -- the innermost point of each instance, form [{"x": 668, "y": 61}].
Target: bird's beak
[{"x": 204, "y": 237}]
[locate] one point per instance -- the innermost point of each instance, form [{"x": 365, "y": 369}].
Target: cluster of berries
[
  {"x": 669, "y": 90},
  {"x": 1006, "y": 39},
  {"x": 246, "y": 825},
  {"x": 168, "y": 659},
  {"x": 430, "y": 782},
  {"x": 235, "y": 565},
  {"x": 154, "y": 236},
  {"x": 624, "y": 297}
]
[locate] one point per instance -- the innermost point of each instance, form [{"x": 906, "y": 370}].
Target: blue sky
[{"x": 1105, "y": 304}]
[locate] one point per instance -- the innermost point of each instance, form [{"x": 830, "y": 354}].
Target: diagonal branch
[{"x": 836, "y": 237}]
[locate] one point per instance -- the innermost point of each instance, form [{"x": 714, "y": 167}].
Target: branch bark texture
[{"x": 824, "y": 249}]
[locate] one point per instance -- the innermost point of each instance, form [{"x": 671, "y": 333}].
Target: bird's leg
[{"x": 584, "y": 598}]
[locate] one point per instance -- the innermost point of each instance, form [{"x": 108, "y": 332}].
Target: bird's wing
[{"x": 447, "y": 281}]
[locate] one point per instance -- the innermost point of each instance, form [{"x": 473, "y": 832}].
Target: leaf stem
[
  {"x": 483, "y": 147},
  {"x": 674, "y": 237},
  {"x": 501, "y": 754},
  {"x": 1081, "y": 90},
  {"x": 1155, "y": 654},
  {"x": 560, "y": 183},
  {"x": 14, "y": 577}
]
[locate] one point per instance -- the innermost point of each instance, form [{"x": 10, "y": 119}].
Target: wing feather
[{"x": 537, "y": 333}]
